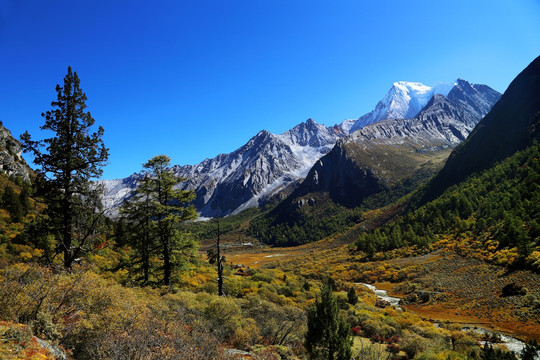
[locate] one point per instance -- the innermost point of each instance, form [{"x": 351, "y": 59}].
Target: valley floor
[
  {"x": 469, "y": 291},
  {"x": 459, "y": 289}
]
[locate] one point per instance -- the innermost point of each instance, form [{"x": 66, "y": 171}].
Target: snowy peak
[
  {"x": 264, "y": 165},
  {"x": 404, "y": 100},
  {"x": 408, "y": 98}
]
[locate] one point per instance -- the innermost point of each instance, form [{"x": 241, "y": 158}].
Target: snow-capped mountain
[
  {"x": 376, "y": 157},
  {"x": 268, "y": 163},
  {"x": 403, "y": 101},
  {"x": 447, "y": 120},
  {"x": 265, "y": 164}
]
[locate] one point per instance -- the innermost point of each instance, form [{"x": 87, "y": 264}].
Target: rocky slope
[
  {"x": 268, "y": 163},
  {"x": 11, "y": 161}
]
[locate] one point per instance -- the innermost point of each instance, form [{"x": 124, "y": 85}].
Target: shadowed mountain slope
[{"x": 512, "y": 125}]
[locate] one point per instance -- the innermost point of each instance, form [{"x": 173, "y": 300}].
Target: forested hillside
[
  {"x": 494, "y": 215},
  {"x": 492, "y": 206}
]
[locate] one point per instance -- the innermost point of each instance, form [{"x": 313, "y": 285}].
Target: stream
[
  {"x": 383, "y": 294},
  {"x": 512, "y": 344}
]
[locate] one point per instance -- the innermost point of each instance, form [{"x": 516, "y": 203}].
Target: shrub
[
  {"x": 412, "y": 344},
  {"x": 528, "y": 300},
  {"x": 352, "y": 298},
  {"x": 19, "y": 334},
  {"x": 45, "y": 326},
  {"x": 278, "y": 325}
]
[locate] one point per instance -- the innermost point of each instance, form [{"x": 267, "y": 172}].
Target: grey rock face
[
  {"x": 11, "y": 160},
  {"x": 266, "y": 164}
]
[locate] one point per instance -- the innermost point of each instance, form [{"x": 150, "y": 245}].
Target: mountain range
[
  {"x": 381, "y": 154},
  {"x": 512, "y": 125},
  {"x": 416, "y": 117}
]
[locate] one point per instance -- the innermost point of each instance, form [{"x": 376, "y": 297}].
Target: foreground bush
[{"x": 99, "y": 319}]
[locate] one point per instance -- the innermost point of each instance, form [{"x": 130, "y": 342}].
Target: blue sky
[{"x": 192, "y": 79}]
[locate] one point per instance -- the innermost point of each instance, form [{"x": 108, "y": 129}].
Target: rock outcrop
[{"x": 11, "y": 160}]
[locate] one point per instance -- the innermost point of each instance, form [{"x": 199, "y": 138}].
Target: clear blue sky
[{"x": 192, "y": 79}]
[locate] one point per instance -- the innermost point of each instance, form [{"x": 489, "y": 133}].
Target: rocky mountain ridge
[
  {"x": 268, "y": 163},
  {"x": 381, "y": 154}
]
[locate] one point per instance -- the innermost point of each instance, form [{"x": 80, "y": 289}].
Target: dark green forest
[
  {"x": 501, "y": 204},
  {"x": 285, "y": 224}
]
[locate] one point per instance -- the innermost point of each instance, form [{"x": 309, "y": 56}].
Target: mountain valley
[{"x": 433, "y": 196}]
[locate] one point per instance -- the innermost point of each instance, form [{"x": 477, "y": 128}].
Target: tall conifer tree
[
  {"x": 157, "y": 208},
  {"x": 328, "y": 336},
  {"x": 68, "y": 161},
  {"x": 137, "y": 210}
]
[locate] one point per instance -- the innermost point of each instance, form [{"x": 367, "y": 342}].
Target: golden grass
[{"x": 322, "y": 256}]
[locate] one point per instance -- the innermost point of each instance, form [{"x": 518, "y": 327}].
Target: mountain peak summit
[
  {"x": 404, "y": 100},
  {"x": 410, "y": 86}
]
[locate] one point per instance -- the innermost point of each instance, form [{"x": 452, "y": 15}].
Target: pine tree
[
  {"x": 158, "y": 208},
  {"x": 12, "y": 204},
  {"x": 328, "y": 335},
  {"x": 219, "y": 258},
  {"x": 352, "y": 298},
  {"x": 138, "y": 211},
  {"x": 24, "y": 199},
  {"x": 68, "y": 161}
]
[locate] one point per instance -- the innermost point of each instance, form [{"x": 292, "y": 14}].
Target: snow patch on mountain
[
  {"x": 265, "y": 164},
  {"x": 404, "y": 100}
]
